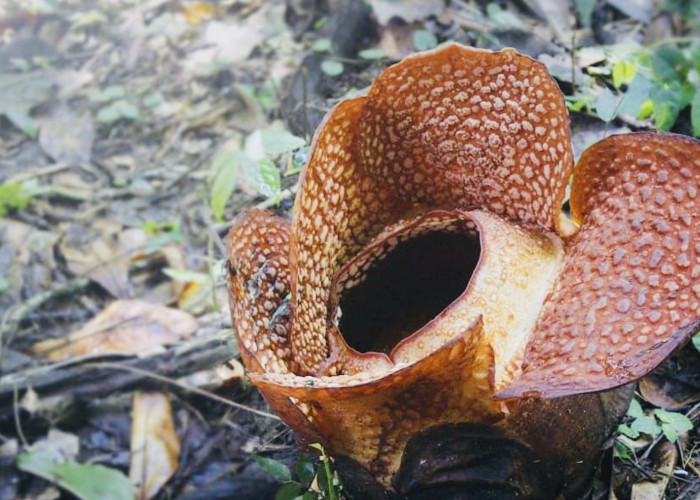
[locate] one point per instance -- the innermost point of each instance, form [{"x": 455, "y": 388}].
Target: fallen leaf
[
  {"x": 557, "y": 14},
  {"x": 397, "y": 40},
  {"x": 198, "y": 12},
  {"x": 106, "y": 258},
  {"x": 676, "y": 382},
  {"x": 20, "y": 92},
  {"x": 58, "y": 445},
  {"x": 666, "y": 455},
  {"x": 87, "y": 482},
  {"x": 155, "y": 445},
  {"x": 408, "y": 10},
  {"x": 124, "y": 326}
]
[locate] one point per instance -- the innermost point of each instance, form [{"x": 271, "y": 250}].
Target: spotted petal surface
[
  {"x": 451, "y": 128},
  {"x": 628, "y": 294},
  {"x": 429, "y": 276}
]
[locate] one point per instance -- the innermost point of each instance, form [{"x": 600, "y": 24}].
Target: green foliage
[
  {"x": 585, "y": 11},
  {"x": 13, "y": 197},
  {"x": 118, "y": 110},
  {"x": 254, "y": 164},
  {"x": 696, "y": 341},
  {"x": 424, "y": 40},
  {"x": 656, "y": 82},
  {"x": 87, "y": 482},
  {"x": 332, "y": 67},
  {"x": 503, "y": 18},
  {"x": 606, "y": 105},
  {"x": 298, "y": 480},
  {"x": 689, "y": 9},
  {"x": 652, "y": 424},
  {"x": 116, "y": 106},
  {"x": 372, "y": 54},
  {"x": 322, "y": 45}
]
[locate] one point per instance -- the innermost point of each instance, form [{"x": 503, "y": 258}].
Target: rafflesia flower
[{"x": 432, "y": 317}]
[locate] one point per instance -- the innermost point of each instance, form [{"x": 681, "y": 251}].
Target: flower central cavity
[{"x": 397, "y": 287}]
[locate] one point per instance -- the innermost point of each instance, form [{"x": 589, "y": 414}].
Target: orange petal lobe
[
  {"x": 628, "y": 294},
  {"x": 371, "y": 416},
  {"x": 259, "y": 282},
  {"x": 338, "y": 208},
  {"x": 459, "y": 127}
]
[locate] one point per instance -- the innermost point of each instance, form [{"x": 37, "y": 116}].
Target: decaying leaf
[
  {"x": 106, "y": 259},
  {"x": 675, "y": 384},
  {"x": 65, "y": 136},
  {"x": 155, "y": 445},
  {"x": 666, "y": 455},
  {"x": 124, "y": 326}
]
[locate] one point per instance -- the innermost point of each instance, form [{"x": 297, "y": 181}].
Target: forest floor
[{"x": 131, "y": 133}]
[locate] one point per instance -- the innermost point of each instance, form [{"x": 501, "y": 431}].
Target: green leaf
[
  {"x": 585, "y": 11},
  {"x": 669, "y": 64},
  {"x": 696, "y": 341},
  {"x": 108, "y": 114},
  {"x": 322, "y": 45},
  {"x": 264, "y": 177},
  {"x": 305, "y": 469},
  {"x": 622, "y": 451},
  {"x": 606, "y": 105},
  {"x": 503, "y": 18},
  {"x": 20, "y": 92},
  {"x": 635, "y": 409},
  {"x": 24, "y": 122},
  {"x": 332, "y": 68},
  {"x": 372, "y": 54},
  {"x": 289, "y": 491},
  {"x": 107, "y": 94},
  {"x": 635, "y": 97},
  {"x": 12, "y": 198},
  {"x": 424, "y": 40},
  {"x": 271, "y": 142},
  {"x": 646, "y": 425},
  {"x": 695, "y": 114},
  {"x": 623, "y": 73},
  {"x": 126, "y": 109},
  {"x": 667, "y": 104},
  {"x": 627, "y": 431},
  {"x": 678, "y": 420},
  {"x": 87, "y": 482},
  {"x": 152, "y": 101},
  {"x": 187, "y": 276},
  {"x": 226, "y": 165},
  {"x": 274, "y": 468}
]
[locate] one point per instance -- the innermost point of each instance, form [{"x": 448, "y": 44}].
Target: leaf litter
[{"x": 131, "y": 134}]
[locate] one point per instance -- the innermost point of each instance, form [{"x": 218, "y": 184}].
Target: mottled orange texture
[
  {"x": 628, "y": 294},
  {"x": 446, "y": 183}
]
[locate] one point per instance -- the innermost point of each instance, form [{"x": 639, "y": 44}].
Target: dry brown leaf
[
  {"x": 106, "y": 258},
  {"x": 65, "y": 136},
  {"x": 675, "y": 383},
  {"x": 124, "y": 326},
  {"x": 61, "y": 446},
  {"x": 654, "y": 490},
  {"x": 155, "y": 445},
  {"x": 198, "y": 12},
  {"x": 397, "y": 40}
]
